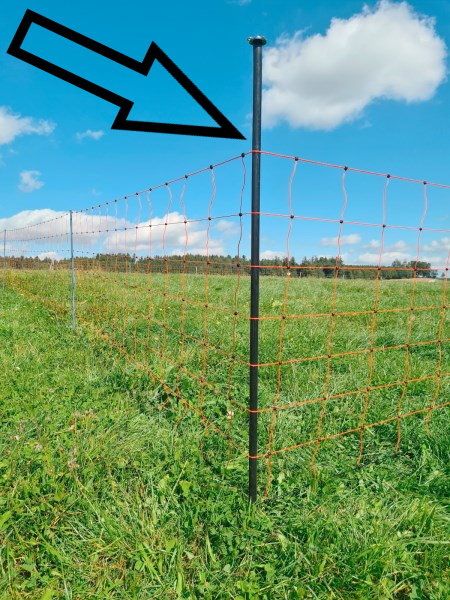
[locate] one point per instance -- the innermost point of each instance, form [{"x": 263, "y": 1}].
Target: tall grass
[
  {"x": 107, "y": 495},
  {"x": 199, "y": 347}
]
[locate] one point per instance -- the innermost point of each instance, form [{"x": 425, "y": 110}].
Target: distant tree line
[
  {"x": 326, "y": 267},
  {"x": 315, "y": 266}
]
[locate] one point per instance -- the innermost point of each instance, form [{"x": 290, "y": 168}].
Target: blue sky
[{"x": 365, "y": 87}]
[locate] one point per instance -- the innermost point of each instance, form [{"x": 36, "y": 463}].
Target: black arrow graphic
[{"x": 225, "y": 129}]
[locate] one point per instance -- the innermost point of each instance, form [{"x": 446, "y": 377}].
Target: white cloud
[
  {"x": 387, "y": 257},
  {"x": 29, "y": 181},
  {"x": 270, "y": 254},
  {"x": 93, "y": 135},
  {"x": 94, "y": 192},
  {"x": 227, "y": 228},
  {"x": 12, "y": 125},
  {"x": 436, "y": 260},
  {"x": 52, "y": 255},
  {"x": 27, "y": 230},
  {"x": 173, "y": 236},
  {"x": 373, "y": 244},
  {"x": 438, "y": 245},
  {"x": 346, "y": 240},
  {"x": 92, "y": 232},
  {"x": 322, "y": 81},
  {"x": 401, "y": 245},
  {"x": 28, "y": 218}
]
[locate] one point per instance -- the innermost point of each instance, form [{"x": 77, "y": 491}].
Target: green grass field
[{"x": 106, "y": 494}]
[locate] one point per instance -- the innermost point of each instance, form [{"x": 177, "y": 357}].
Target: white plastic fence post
[
  {"x": 73, "y": 270},
  {"x": 4, "y": 259}
]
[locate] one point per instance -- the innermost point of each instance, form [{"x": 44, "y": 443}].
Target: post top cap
[{"x": 257, "y": 40}]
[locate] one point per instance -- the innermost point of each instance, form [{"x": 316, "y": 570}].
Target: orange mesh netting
[{"x": 351, "y": 339}]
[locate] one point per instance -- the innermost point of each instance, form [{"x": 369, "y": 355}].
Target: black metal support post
[{"x": 257, "y": 42}]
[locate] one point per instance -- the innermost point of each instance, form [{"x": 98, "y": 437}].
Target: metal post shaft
[{"x": 257, "y": 42}]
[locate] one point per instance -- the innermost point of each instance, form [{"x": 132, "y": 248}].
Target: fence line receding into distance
[{"x": 351, "y": 340}]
